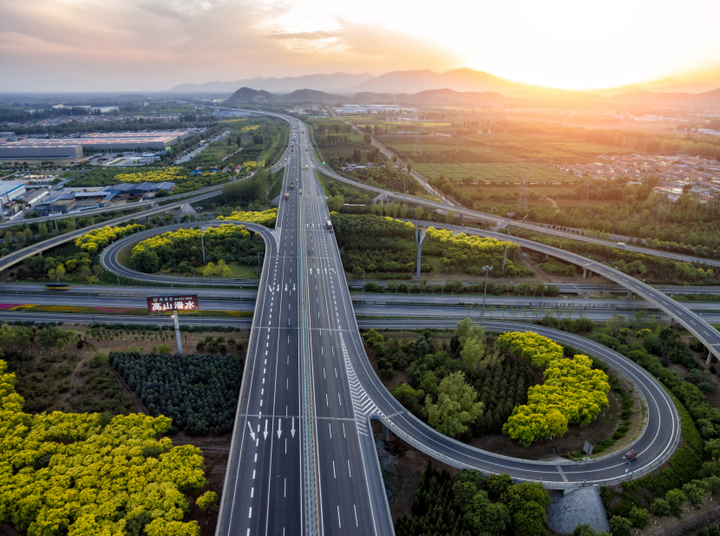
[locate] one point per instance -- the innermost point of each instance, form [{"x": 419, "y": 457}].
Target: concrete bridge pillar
[
  {"x": 387, "y": 433},
  {"x": 629, "y": 294},
  {"x": 419, "y": 239}
]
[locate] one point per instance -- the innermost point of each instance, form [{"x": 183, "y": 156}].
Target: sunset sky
[{"x": 125, "y": 45}]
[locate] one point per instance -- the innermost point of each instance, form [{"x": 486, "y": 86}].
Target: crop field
[
  {"x": 493, "y": 172},
  {"x": 503, "y": 147}
]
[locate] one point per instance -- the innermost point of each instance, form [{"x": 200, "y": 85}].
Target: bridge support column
[
  {"x": 629, "y": 294},
  {"x": 709, "y": 358},
  {"x": 387, "y": 433},
  {"x": 419, "y": 239}
]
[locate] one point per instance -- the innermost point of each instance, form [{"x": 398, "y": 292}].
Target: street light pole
[
  {"x": 507, "y": 240},
  {"x": 487, "y": 271},
  {"x": 202, "y": 243}
]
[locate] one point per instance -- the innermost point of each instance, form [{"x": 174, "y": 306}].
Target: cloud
[{"x": 305, "y": 36}]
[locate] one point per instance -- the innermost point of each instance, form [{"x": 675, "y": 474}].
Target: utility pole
[
  {"x": 510, "y": 215},
  {"x": 482, "y": 314}
]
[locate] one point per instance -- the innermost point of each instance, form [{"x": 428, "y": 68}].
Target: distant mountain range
[
  {"x": 246, "y": 95},
  {"x": 456, "y": 86},
  {"x": 337, "y": 82}
]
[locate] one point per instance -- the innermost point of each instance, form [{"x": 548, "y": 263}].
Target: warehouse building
[
  {"x": 73, "y": 147},
  {"x": 10, "y": 190},
  {"x": 32, "y": 148}
]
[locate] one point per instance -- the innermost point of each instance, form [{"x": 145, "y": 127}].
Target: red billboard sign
[{"x": 160, "y": 304}]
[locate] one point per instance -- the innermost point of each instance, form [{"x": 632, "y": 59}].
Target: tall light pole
[
  {"x": 510, "y": 215},
  {"x": 487, "y": 271}
]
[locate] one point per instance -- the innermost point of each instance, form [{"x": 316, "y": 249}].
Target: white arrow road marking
[
  {"x": 252, "y": 434},
  {"x": 293, "y": 287},
  {"x": 279, "y": 430},
  {"x": 292, "y": 430},
  {"x": 285, "y": 287},
  {"x": 310, "y": 271},
  {"x": 278, "y": 288},
  {"x": 325, "y": 271},
  {"x": 265, "y": 433}
]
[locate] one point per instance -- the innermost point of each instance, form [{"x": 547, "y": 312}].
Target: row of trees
[
  {"x": 182, "y": 251},
  {"x": 627, "y": 261},
  {"x": 198, "y": 392},
  {"x": 97, "y": 239},
  {"x": 91, "y": 473},
  {"x": 470, "y": 504},
  {"x": 572, "y": 391},
  {"x": 372, "y": 243}
]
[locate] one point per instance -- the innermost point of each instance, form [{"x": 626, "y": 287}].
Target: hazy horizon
[{"x": 51, "y": 46}]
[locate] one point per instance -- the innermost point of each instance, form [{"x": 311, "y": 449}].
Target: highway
[
  {"x": 303, "y": 459},
  {"x": 263, "y": 491},
  {"x": 380, "y": 306},
  {"x": 14, "y": 258}
]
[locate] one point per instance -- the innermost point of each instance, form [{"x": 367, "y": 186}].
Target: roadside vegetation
[
  {"x": 182, "y": 251},
  {"x": 467, "y": 503},
  {"x": 376, "y": 245},
  {"x": 50, "y": 478},
  {"x": 198, "y": 392}
]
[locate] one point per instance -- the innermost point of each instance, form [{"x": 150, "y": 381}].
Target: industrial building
[
  {"x": 10, "y": 190},
  {"x": 33, "y": 197},
  {"x": 32, "y": 148},
  {"x": 82, "y": 199},
  {"x": 73, "y": 147}
]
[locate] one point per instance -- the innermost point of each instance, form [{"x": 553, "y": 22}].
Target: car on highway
[{"x": 630, "y": 455}]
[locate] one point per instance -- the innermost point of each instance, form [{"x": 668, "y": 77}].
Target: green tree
[
  {"x": 694, "y": 491},
  {"x": 661, "y": 508},
  {"x": 620, "y": 526},
  {"x": 456, "y": 406},
  {"x": 146, "y": 261},
  {"x": 418, "y": 213},
  {"x": 60, "y": 271},
  {"x": 207, "y": 502},
  {"x": 675, "y": 499},
  {"x": 639, "y": 517}
]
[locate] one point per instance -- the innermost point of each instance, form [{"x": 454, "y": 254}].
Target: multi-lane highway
[
  {"x": 264, "y": 489},
  {"x": 303, "y": 458},
  {"x": 299, "y": 464}
]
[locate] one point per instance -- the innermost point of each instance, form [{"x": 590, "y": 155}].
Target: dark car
[{"x": 630, "y": 455}]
